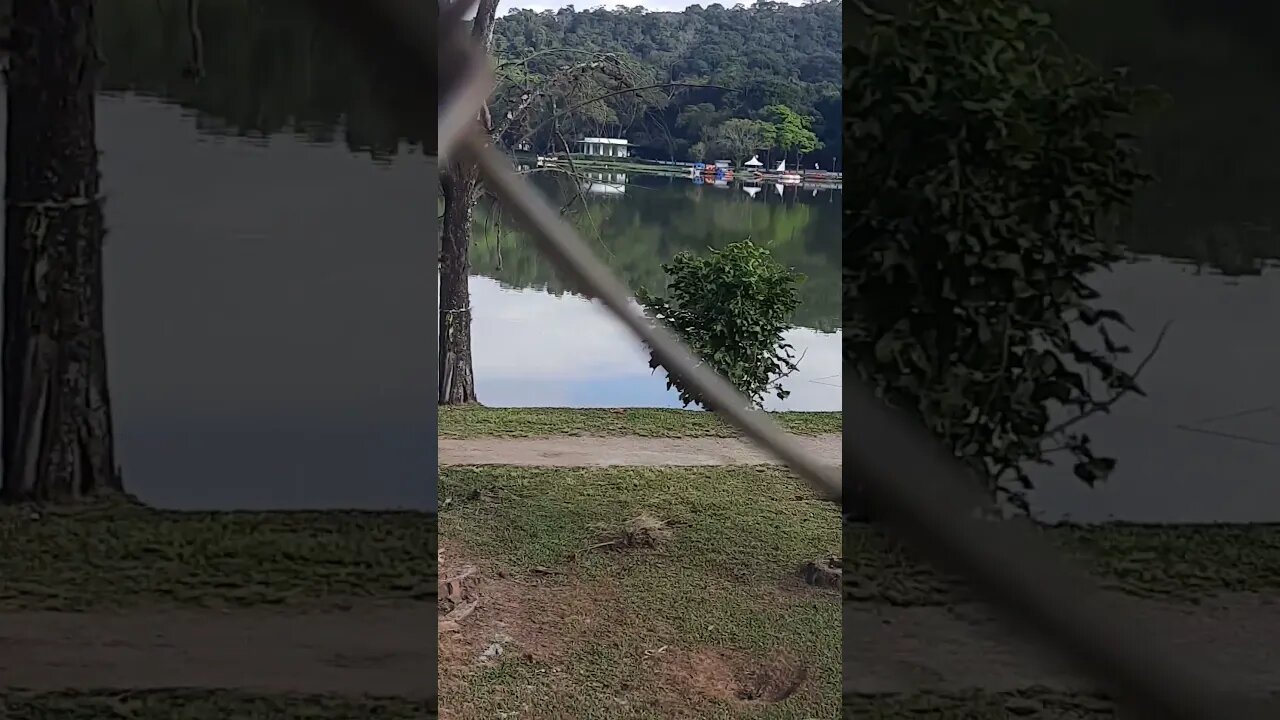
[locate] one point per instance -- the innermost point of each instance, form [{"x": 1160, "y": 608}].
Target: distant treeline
[{"x": 764, "y": 55}]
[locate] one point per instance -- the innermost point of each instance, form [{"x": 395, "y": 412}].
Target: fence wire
[{"x": 919, "y": 493}]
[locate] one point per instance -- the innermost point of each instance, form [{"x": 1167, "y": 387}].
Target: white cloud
[
  {"x": 533, "y": 334},
  {"x": 816, "y": 384}
]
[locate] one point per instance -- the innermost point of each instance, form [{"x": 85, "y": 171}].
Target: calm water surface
[
  {"x": 262, "y": 300},
  {"x": 270, "y": 224},
  {"x": 572, "y": 353}
]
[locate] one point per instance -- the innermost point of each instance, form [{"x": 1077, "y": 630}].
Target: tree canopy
[
  {"x": 752, "y": 58},
  {"x": 991, "y": 162}
]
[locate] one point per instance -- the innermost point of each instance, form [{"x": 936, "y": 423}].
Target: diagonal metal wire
[
  {"x": 580, "y": 266},
  {"x": 919, "y": 492}
]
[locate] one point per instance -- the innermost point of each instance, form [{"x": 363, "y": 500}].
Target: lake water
[
  {"x": 264, "y": 301},
  {"x": 572, "y": 353},
  {"x": 269, "y": 294},
  {"x": 1204, "y": 445}
]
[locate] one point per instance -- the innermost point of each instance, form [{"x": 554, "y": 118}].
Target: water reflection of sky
[
  {"x": 268, "y": 318},
  {"x": 532, "y": 349},
  {"x": 1204, "y": 444}
]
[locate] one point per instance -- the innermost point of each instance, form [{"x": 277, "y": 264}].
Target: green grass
[
  {"x": 135, "y": 557},
  {"x": 202, "y": 705},
  {"x": 145, "y": 558},
  {"x": 1174, "y": 562},
  {"x": 461, "y": 422},
  {"x": 1032, "y": 703},
  {"x": 725, "y": 580}
]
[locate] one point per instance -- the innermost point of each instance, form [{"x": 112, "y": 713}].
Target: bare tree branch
[
  {"x": 552, "y": 51},
  {"x": 1106, "y": 405},
  {"x": 608, "y": 95}
]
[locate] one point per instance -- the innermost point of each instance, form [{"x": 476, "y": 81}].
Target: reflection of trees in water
[
  {"x": 1216, "y": 158},
  {"x": 635, "y": 234},
  {"x": 1234, "y": 250},
  {"x": 268, "y": 68},
  {"x": 1217, "y": 161}
]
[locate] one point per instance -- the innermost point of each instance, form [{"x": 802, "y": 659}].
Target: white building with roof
[{"x": 603, "y": 147}]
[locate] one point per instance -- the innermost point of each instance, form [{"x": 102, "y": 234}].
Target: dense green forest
[{"x": 755, "y": 59}]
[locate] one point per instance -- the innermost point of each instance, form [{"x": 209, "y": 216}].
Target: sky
[{"x": 655, "y": 5}]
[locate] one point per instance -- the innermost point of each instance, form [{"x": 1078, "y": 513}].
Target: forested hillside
[{"x": 758, "y": 57}]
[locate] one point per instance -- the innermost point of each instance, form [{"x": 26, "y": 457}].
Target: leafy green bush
[
  {"x": 731, "y": 307},
  {"x": 986, "y": 161}
]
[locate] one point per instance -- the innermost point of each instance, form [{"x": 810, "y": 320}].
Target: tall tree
[
  {"x": 792, "y": 131},
  {"x": 460, "y": 185},
  {"x": 741, "y": 137},
  {"x": 57, "y": 433},
  {"x": 799, "y": 66}
]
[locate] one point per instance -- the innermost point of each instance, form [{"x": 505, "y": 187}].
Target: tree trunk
[
  {"x": 57, "y": 432},
  {"x": 195, "y": 65},
  {"x": 460, "y": 182},
  {"x": 457, "y": 378}
]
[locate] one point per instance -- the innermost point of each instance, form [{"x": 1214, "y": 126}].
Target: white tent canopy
[{"x": 754, "y": 162}]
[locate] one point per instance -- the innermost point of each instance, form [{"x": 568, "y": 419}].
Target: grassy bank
[
  {"x": 201, "y": 705},
  {"x": 140, "y": 558},
  {"x": 462, "y": 422},
  {"x": 133, "y": 557},
  {"x": 1175, "y": 562},
  {"x": 1033, "y": 704},
  {"x": 663, "y": 590}
]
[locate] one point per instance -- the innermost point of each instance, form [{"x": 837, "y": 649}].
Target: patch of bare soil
[
  {"x": 823, "y": 572},
  {"x": 489, "y": 618},
  {"x": 738, "y": 677},
  {"x": 486, "y": 617},
  {"x": 458, "y": 597},
  {"x": 643, "y": 531}
]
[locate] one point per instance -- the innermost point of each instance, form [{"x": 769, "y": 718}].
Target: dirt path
[
  {"x": 368, "y": 650},
  {"x": 1234, "y": 640},
  {"x": 568, "y": 451}
]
